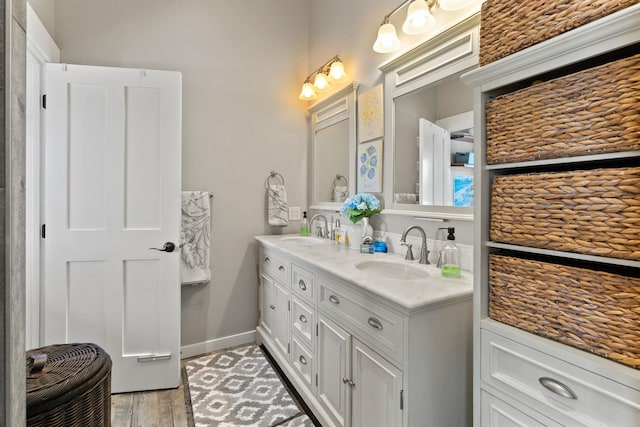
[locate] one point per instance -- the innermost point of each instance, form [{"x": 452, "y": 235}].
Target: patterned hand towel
[
  {"x": 340, "y": 193},
  {"x": 194, "y": 238},
  {"x": 278, "y": 212}
]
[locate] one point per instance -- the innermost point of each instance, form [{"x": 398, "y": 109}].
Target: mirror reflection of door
[
  {"x": 332, "y": 160},
  {"x": 433, "y": 158}
]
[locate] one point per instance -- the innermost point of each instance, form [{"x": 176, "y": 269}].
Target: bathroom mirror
[
  {"x": 333, "y": 145},
  {"x": 429, "y": 112}
]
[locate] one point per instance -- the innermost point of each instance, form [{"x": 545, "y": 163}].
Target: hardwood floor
[{"x": 162, "y": 408}]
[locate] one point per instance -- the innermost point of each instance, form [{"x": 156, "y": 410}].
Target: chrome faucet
[
  {"x": 424, "y": 253},
  {"x": 322, "y": 232}
]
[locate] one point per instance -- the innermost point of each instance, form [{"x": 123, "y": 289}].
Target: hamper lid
[{"x": 69, "y": 370}]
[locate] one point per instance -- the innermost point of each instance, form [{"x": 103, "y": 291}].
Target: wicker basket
[
  {"x": 589, "y": 112},
  {"x": 508, "y": 26},
  {"x": 594, "y": 212},
  {"x": 71, "y": 388},
  {"x": 591, "y": 310}
]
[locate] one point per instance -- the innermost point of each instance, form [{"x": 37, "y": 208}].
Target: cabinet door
[
  {"x": 266, "y": 304},
  {"x": 280, "y": 326},
  {"x": 334, "y": 348},
  {"x": 377, "y": 389}
]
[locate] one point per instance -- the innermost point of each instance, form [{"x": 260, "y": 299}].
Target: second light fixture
[{"x": 419, "y": 20}]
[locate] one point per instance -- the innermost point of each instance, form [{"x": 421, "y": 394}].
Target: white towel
[
  {"x": 194, "y": 238},
  {"x": 340, "y": 193},
  {"x": 278, "y": 213}
]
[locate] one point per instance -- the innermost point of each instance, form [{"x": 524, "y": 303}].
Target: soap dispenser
[
  {"x": 304, "y": 225},
  {"x": 450, "y": 256}
]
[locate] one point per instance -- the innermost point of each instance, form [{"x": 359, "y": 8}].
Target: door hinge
[
  {"x": 316, "y": 380},
  {"x": 44, "y": 101},
  {"x": 316, "y": 329},
  {"x": 43, "y": 231},
  {"x": 289, "y": 305},
  {"x": 401, "y": 400},
  {"x": 288, "y": 347}
]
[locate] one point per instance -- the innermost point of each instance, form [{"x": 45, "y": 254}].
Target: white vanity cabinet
[
  {"x": 360, "y": 358},
  {"x": 522, "y": 378}
]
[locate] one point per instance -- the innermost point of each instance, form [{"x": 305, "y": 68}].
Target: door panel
[
  {"x": 281, "y": 320},
  {"x": 376, "y": 393},
  {"x": 334, "y": 354},
  {"x": 112, "y": 168}
]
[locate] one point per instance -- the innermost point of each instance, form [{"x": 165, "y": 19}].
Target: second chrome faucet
[{"x": 424, "y": 253}]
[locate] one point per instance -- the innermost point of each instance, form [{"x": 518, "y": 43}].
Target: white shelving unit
[{"x": 508, "y": 362}]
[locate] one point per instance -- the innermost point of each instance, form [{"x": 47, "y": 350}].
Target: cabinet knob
[
  {"x": 557, "y": 387},
  {"x": 303, "y": 318},
  {"x": 334, "y": 299},
  {"x": 346, "y": 380},
  {"x": 302, "y": 359},
  {"x": 281, "y": 268},
  {"x": 375, "y": 323},
  {"x": 302, "y": 285},
  {"x": 267, "y": 260},
  {"x": 272, "y": 307}
]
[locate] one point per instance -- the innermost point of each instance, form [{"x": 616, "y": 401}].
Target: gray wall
[
  {"x": 13, "y": 23},
  {"x": 242, "y": 64}
]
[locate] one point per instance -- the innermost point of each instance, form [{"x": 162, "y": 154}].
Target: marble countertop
[{"x": 413, "y": 293}]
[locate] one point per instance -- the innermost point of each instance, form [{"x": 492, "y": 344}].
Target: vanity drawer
[
  {"x": 302, "y": 362},
  {"x": 497, "y": 413},
  {"x": 380, "y": 327},
  {"x": 556, "y": 388},
  {"x": 302, "y": 320},
  {"x": 274, "y": 266},
  {"x": 304, "y": 283}
]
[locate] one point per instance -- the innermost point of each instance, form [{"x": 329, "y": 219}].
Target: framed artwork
[
  {"x": 463, "y": 187},
  {"x": 371, "y": 114},
  {"x": 369, "y": 167}
]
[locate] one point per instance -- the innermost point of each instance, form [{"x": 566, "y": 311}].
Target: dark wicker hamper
[{"x": 72, "y": 389}]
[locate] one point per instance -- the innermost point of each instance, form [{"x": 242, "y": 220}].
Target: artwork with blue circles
[{"x": 369, "y": 167}]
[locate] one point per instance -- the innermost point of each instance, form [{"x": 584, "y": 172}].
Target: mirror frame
[
  {"x": 334, "y": 109},
  {"x": 454, "y": 51}
]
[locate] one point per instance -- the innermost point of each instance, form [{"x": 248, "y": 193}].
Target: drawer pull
[
  {"x": 375, "y": 323},
  {"x": 281, "y": 268},
  {"x": 334, "y": 299},
  {"x": 302, "y": 285},
  {"x": 557, "y": 387},
  {"x": 267, "y": 260},
  {"x": 272, "y": 307},
  {"x": 303, "y": 318},
  {"x": 302, "y": 359}
]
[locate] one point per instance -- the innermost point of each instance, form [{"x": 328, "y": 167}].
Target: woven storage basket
[
  {"x": 72, "y": 390},
  {"x": 508, "y": 26},
  {"x": 593, "y": 212},
  {"x": 587, "y": 309},
  {"x": 589, "y": 112}
]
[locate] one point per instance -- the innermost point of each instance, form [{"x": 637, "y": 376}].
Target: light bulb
[
  {"x": 387, "y": 40},
  {"x": 419, "y": 20},
  {"x": 321, "y": 81},
  {"x": 307, "y": 92},
  {"x": 336, "y": 72},
  {"x": 455, "y": 4}
]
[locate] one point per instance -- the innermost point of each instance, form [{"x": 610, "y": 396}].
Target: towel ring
[
  {"x": 339, "y": 179},
  {"x": 276, "y": 176}
]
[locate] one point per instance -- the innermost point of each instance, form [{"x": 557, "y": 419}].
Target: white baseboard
[{"x": 217, "y": 344}]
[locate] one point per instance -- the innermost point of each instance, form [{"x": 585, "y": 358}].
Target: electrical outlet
[{"x": 294, "y": 213}]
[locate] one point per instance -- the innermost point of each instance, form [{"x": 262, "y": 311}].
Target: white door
[
  {"x": 112, "y": 192},
  {"x": 266, "y": 304},
  {"x": 435, "y": 161},
  {"x": 334, "y": 348},
  {"x": 281, "y": 319},
  {"x": 376, "y": 391}
]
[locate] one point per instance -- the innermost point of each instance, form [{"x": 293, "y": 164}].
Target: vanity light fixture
[
  {"x": 419, "y": 20},
  {"x": 331, "y": 71}
]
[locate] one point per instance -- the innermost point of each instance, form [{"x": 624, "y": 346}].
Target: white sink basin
[
  {"x": 393, "y": 270},
  {"x": 304, "y": 241}
]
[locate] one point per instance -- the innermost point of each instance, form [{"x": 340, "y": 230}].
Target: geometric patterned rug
[{"x": 238, "y": 387}]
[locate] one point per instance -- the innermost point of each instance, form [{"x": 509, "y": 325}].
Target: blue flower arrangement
[{"x": 362, "y": 205}]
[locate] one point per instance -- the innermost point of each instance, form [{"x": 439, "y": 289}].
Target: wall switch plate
[{"x": 294, "y": 213}]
